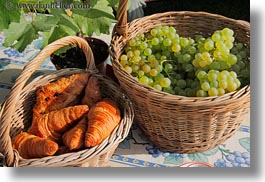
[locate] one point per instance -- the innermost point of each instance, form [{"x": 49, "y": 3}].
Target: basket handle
[
  {"x": 121, "y": 25},
  {"x": 9, "y": 106}
]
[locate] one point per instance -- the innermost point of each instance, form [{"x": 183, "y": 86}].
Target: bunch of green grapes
[{"x": 185, "y": 66}]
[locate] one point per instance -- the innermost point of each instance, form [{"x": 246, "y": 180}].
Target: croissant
[
  {"x": 103, "y": 117},
  {"x": 59, "y": 94},
  {"x": 74, "y": 138},
  {"x": 53, "y": 124},
  {"x": 31, "y": 146},
  {"x": 92, "y": 92}
]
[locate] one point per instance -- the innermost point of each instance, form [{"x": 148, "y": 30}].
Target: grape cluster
[
  {"x": 199, "y": 66},
  {"x": 235, "y": 159}
]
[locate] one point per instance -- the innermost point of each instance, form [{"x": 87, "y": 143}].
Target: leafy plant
[{"x": 73, "y": 17}]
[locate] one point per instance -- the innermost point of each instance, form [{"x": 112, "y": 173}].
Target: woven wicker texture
[
  {"x": 177, "y": 123},
  {"x": 16, "y": 112}
]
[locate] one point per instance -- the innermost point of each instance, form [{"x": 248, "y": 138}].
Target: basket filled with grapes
[{"x": 187, "y": 74}]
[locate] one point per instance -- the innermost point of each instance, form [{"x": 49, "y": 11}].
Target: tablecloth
[{"x": 136, "y": 150}]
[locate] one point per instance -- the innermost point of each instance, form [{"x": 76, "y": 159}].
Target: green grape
[
  {"x": 221, "y": 91},
  {"x": 213, "y": 91},
  {"x": 144, "y": 80},
  {"x": 186, "y": 57},
  {"x": 184, "y": 42},
  {"x": 143, "y": 45},
  {"x": 153, "y": 72},
  {"x": 214, "y": 83},
  {"x": 136, "y": 59},
  {"x": 195, "y": 63},
  {"x": 233, "y": 74},
  {"x": 147, "y": 51},
  {"x": 236, "y": 68},
  {"x": 157, "y": 87},
  {"x": 192, "y": 50},
  {"x": 158, "y": 77},
  {"x": 238, "y": 83},
  {"x": 128, "y": 69},
  {"x": 209, "y": 44},
  {"x": 168, "y": 67},
  {"x": 130, "y": 54},
  {"x": 140, "y": 73},
  {"x": 151, "y": 58},
  {"x": 217, "y": 54},
  {"x": 203, "y": 63},
  {"x": 132, "y": 42},
  {"x": 195, "y": 84},
  {"x": 154, "y": 63},
  {"x": 201, "y": 93},
  {"x": 216, "y": 36},
  {"x": 181, "y": 83},
  {"x": 135, "y": 68},
  {"x": 165, "y": 30},
  {"x": 188, "y": 68},
  {"x": 154, "y": 32},
  {"x": 222, "y": 48},
  {"x": 165, "y": 82},
  {"x": 201, "y": 74},
  {"x": 215, "y": 65},
  {"x": 123, "y": 57},
  {"x": 205, "y": 86},
  {"x": 212, "y": 76},
  {"x": 171, "y": 35},
  {"x": 231, "y": 59},
  {"x": 172, "y": 29},
  {"x": 123, "y": 62},
  {"x": 243, "y": 54},
  {"x": 232, "y": 86},
  {"x": 155, "y": 41},
  {"x": 229, "y": 44},
  {"x": 167, "y": 42},
  {"x": 222, "y": 84},
  {"x": 157, "y": 56},
  {"x": 175, "y": 47},
  {"x": 227, "y": 32},
  {"x": 239, "y": 46},
  {"x": 146, "y": 68}
]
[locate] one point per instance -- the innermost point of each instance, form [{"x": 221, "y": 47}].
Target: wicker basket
[
  {"x": 16, "y": 112},
  {"x": 178, "y": 123}
]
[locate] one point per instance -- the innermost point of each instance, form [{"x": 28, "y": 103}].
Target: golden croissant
[
  {"x": 103, "y": 117},
  {"x": 59, "y": 94},
  {"x": 53, "y": 124},
  {"x": 74, "y": 138},
  {"x": 31, "y": 146}
]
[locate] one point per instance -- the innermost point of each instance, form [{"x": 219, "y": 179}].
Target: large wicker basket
[
  {"x": 178, "y": 123},
  {"x": 16, "y": 112}
]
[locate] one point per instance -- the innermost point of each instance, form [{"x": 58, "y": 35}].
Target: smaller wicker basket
[
  {"x": 177, "y": 123},
  {"x": 16, "y": 112}
]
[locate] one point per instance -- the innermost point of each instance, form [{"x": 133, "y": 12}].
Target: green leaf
[
  {"x": 8, "y": 13},
  {"x": 245, "y": 143},
  {"x": 29, "y": 34},
  {"x": 114, "y": 4},
  {"x": 211, "y": 152},
  {"x": 173, "y": 160},
  {"x": 199, "y": 157},
  {"x": 96, "y": 20},
  {"x": 44, "y": 22},
  {"x": 14, "y": 32},
  {"x": 64, "y": 19}
]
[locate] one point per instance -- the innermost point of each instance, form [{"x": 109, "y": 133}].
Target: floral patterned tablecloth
[{"x": 136, "y": 150}]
